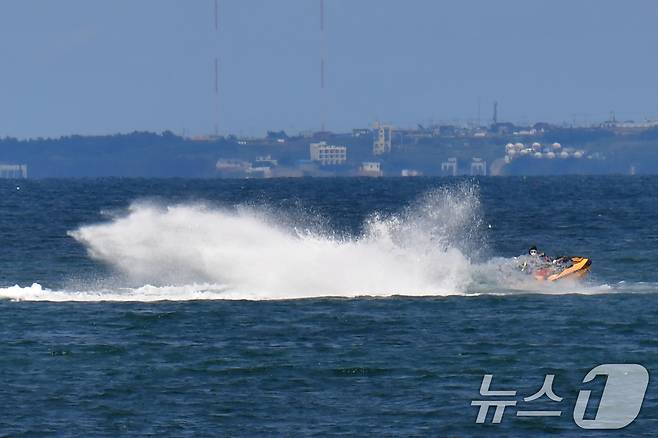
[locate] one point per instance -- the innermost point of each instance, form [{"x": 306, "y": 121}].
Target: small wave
[
  {"x": 204, "y": 292},
  {"x": 150, "y": 293},
  {"x": 146, "y": 293}
]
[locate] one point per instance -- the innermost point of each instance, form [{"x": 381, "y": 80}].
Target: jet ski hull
[{"x": 578, "y": 268}]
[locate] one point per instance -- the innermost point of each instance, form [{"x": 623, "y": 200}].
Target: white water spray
[
  {"x": 250, "y": 254},
  {"x": 197, "y": 251}
]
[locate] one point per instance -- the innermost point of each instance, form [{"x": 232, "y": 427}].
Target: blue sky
[{"x": 77, "y": 66}]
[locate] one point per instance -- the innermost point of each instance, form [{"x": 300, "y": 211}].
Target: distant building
[
  {"x": 13, "y": 171},
  {"x": 265, "y": 161},
  {"x": 478, "y": 167},
  {"x": 629, "y": 124},
  {"x": 542, "y": 126},
  {"x": 232, "y": 168},
  {"x": 504, "y": 128},
  {"x": 370, "y": 168},
  {"x": 201, "y": 138},
  {"x": 382, "y": 139},
  {"x": 410, "y": 172},
  {"x": 276, "y": 136},
  {"x": 536, "y": 150},
  {"x": 259, "y": 172},
  {"x": 261, "y": 167},
  {"x": 526, "y": 132},
  {"x": 447, "y": 130},
  {"x": 361, "y": 132},
  {"x": 328, "y": 154},
  {"x": 232, "y": 165},
  {"x": 449, "y": 167}
]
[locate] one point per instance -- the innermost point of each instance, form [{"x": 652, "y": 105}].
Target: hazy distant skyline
[{"x": 80, "y": 67}]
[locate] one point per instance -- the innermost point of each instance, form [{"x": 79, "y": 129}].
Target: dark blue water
[{"x": 80, "y": 358}]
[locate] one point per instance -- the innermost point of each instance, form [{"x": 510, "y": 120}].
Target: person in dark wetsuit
[
  {"x": 540, "y": 257},
  {"x": 539, "y": 261},
  {"x": 535, "y": 261}
]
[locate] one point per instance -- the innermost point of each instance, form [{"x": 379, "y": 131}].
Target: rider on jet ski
[
  {"x": 536, "y": 260},
  {"x": 543, "y": 267}
]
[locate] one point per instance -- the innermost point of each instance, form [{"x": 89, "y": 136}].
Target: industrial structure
[
  {"x": 514, "y": 151},
  {"x": 449, "y": 167},
  {"x": 478, "y": 167},
  {"x": 13, "y": 171}
]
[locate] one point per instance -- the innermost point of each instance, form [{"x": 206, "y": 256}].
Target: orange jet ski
[{"x": 564, "y": 267}]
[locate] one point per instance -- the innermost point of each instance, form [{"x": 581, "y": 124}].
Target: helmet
[{"x": 533, "y": 251}]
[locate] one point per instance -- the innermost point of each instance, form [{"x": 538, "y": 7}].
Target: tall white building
[
  {"x": 328, "y": 154},
  {"x": 382, "y": 139}
]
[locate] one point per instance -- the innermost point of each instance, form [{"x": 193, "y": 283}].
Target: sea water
[{"x": 317, "y": 306}]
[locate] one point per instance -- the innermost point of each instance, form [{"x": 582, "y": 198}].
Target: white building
[
  {"x": 478, "y": 167},
  {"x": 449, "y": 167},
  {"x": 410, "y": 172},
  {"x": 382, "y": 139},
  {"x": 259, "y": 172},
  {"x": 328, "y": 154},
  {"x": 232, "y": 165},
  {"x": 13, "y": 171},
  {"x": 370, "y": 168}
]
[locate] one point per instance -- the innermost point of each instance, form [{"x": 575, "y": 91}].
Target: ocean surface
[{"x": 301, "y": 307}]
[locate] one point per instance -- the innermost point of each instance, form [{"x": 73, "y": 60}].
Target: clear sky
[{"x": 98, "y": 67}]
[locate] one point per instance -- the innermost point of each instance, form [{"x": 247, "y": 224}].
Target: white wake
[{"x": 202, "y": 252}]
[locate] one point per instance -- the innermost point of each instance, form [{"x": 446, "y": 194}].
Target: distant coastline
[{"x": 383, "y": 150}]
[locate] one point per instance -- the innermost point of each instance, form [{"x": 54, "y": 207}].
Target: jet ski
[{"x": 564, "y": 267}]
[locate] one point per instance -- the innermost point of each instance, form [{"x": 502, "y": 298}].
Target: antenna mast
[
  {"x": 323, "y": 50},
  {"x": 216, "y": 97}
]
